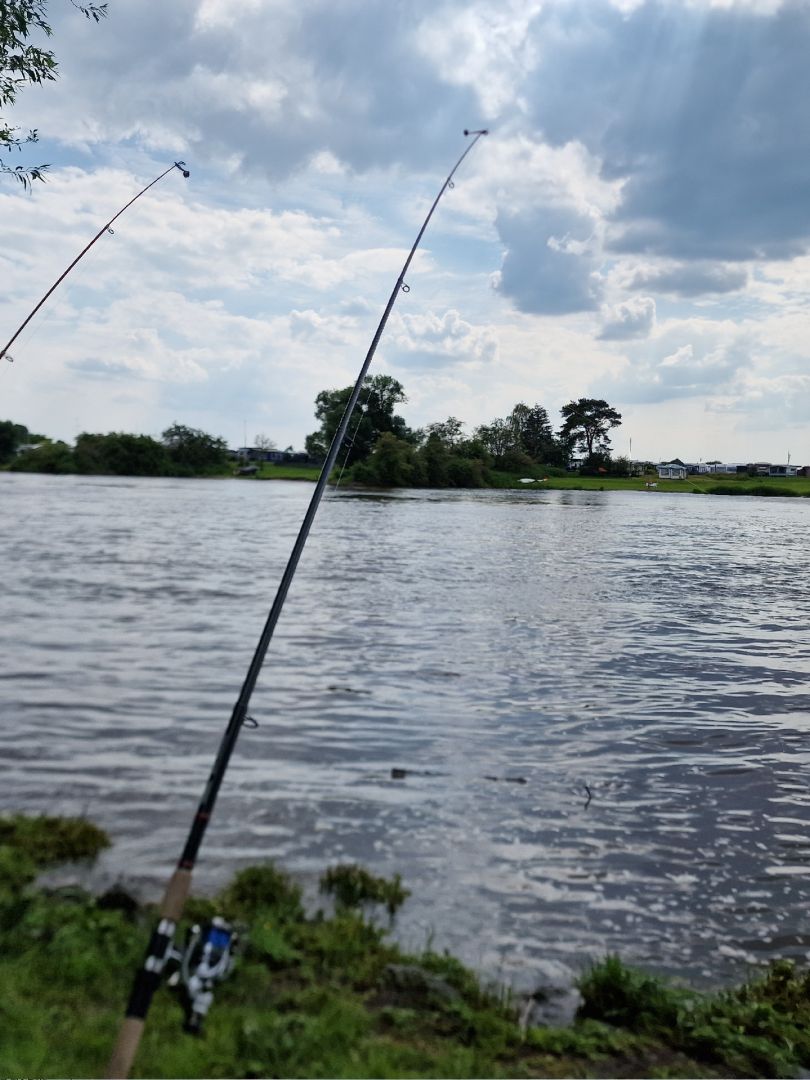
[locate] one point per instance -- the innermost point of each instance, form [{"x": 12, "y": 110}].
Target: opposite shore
[
  {"x": 532, "y": 479},
  {"x": 520, "y": 451},
  {"x": 557, "y": 480}
]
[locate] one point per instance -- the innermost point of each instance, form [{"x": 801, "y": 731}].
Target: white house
[
  {"x": 672, "y": 471},
  {"x": 727, "y": 469},
  {"x": 783, "y": 470}
]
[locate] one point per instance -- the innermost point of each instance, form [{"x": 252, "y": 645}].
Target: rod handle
[
  {"x": 126, "y": 1046},
  {"x": 148, "y": 978},
  {"x": 174, "y": 899}
]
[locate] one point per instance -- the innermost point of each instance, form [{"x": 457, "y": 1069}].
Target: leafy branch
[{"x": 23, "y": 64}]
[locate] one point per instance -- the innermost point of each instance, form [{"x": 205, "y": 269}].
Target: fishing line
[
  {"x": 362, "y": 407},
  {"x": 161, "y": 944}
]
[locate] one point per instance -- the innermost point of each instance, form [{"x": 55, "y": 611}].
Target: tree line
[
  {"x": 382, "y": 450},
  {"x": 181, "y": 451}
]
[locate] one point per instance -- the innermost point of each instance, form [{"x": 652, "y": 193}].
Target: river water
[{"x": 640, "y": 660}]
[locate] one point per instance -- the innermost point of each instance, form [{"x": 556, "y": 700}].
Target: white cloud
[
  {"x": 685, "y": 358},
  {"x": 693, "y": 279},
  {"x": 644, "y": 172},
  {"x": 633, "y": 319},
  {"x": 433, "y": 340},
  {"x": 482, "y": 45}
]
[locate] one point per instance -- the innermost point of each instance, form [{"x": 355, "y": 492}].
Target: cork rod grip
[
  {"x": 174, "y": 899},
  {"x": 125, "y": 1049},
  {"x": 149, "y": 976}
]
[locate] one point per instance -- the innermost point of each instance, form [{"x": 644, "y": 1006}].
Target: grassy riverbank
[
  {"x": 554, "y": 479},
  {"x": 271, "y": 471},
  {"x": 330, "y": 995},
  {"x": 694, "y": 485}
]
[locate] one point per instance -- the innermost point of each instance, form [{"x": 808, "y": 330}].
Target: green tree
[
  {"x": 23, "y": 64},
  {"x": 447, "y": 431},
  {"x": 498, "y": 438},
  {"x": 397, "y": 463},
  {"x": 533, "y": 432},
  {"x": 621, "y": 466},
  {"x": 49, "y": 457},
  {"x": 586, "y": 423},
  {"x": 13, "y": 435},
  {"x": 473, "y": 449},
  {"x": 373, "y": 416},
  {"x": 392, "y": 463},
  {"x": 436, "y": 460},
  {"x": 193, "y": 451},
  {"x": 120, "y": 454},
  {"x": 458, "y": 464},
  {"x": 465, "y": 472}
]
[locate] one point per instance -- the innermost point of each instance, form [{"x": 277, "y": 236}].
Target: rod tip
[{"x": 481, "y": 131}]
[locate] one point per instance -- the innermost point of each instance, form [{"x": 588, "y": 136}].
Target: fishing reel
[{"x": 206, "y": 958}]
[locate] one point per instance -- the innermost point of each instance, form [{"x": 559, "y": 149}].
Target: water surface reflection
[{"x": 651, "y": 649}]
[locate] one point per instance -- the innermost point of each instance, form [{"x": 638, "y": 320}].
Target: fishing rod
[
  {"x": 4, "y": 352},
  {"x": 160, "y": 949}
]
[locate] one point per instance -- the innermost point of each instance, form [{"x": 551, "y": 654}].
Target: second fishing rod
[{"x": 160, "y": 949}]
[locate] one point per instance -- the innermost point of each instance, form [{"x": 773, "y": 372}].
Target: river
[{"x": 639, "y": 661}]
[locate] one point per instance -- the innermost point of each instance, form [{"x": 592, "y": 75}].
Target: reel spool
[{"x": 205, "y": 960}]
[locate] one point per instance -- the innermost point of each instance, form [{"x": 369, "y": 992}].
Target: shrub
[
  {"x": 48, "y": 840},
  {"x": 618, "y": 995},
  {"x": 258, "y": 888},
  {"x": 352, "y": 886}
]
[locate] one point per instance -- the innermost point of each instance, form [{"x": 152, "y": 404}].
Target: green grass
[
  {"x": 269, "y": 471},
  {"x": 759, "y": 1029},
  {"x": 697, "y": 485},
  {"x": 319, "y": 995},
  {"x": 47, "y": 840}
]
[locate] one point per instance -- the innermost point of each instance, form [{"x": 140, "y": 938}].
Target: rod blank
[
  {"x": 146, "y": 981},
  {"x": 4, "y": 352}
]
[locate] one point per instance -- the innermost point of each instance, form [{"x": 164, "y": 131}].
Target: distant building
[
  {"x": 783, "y": 470},
  {"x": 735, "y": 468},
  {"x": 730, "y": 469},
  {"x": 255, "y": 453},
  {"x": 671, "y": 470},
  {"x": 275, "y": 457}
]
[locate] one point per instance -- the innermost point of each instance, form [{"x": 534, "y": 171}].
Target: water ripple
[{"x": 599, "y": 700}]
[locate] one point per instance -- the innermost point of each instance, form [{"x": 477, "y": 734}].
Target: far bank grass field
[
  {"x": 557, "y": 481},
  {"x": 550, "y": 479},
  {"x": 326, "y": 993}
]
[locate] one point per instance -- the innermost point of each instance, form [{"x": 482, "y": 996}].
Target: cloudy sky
[{"x": 636, "y": 226}]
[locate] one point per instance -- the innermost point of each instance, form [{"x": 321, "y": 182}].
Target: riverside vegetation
[
  {"x": 181, "y": 451},
  {"x": 381, "y": 451},
  {"x": 328, "y": 994}
]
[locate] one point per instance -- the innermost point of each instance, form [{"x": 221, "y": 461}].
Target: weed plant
[{"x": 353, "y": 887}]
